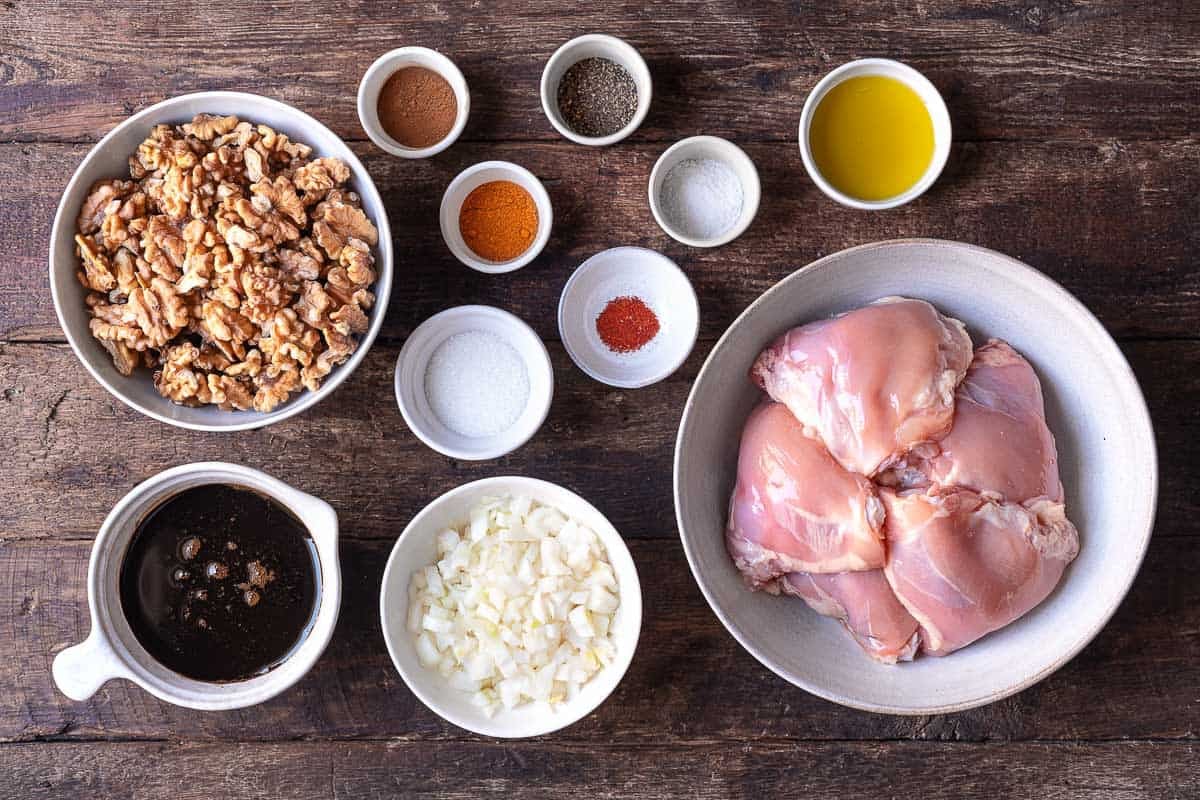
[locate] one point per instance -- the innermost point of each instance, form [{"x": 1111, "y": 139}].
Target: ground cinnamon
[
  {"x": 417, "y": 107},
  {"x": 498, "y": 220}
]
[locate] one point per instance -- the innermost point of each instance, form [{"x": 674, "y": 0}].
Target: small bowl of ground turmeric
[
  {"x": 496, "y": 216},
  {"x": 413, "y": 102}
]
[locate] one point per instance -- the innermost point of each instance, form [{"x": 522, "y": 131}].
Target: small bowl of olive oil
[{"x": 874, "y": 134}]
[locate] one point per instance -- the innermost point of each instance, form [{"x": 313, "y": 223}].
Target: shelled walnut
[{"x": 233, "y": 264}]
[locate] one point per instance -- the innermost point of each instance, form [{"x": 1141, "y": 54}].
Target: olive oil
[{"x": 871, "y": 137}]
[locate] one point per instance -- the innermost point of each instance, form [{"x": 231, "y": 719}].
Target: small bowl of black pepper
[{"x": 596, "y": 89}]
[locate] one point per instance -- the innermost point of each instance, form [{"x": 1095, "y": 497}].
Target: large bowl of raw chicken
[{"x": 915, "y": 477}]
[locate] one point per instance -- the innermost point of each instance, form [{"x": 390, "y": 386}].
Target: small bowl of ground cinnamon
[
  {"x": 496, "y": 216},
  {"x": 413, "y": 102}
]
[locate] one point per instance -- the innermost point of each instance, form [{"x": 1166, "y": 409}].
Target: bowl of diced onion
[{"x": 511, "y": 607}]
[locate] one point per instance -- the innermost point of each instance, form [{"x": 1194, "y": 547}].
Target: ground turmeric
[{"x": 498, "y": 220}]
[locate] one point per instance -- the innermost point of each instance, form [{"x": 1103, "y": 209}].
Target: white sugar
[
  {"x": 701, "y": 197},
  {"x": 476, "y": 383}
]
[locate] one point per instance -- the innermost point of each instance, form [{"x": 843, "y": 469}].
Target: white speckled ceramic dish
[
  {"x": 413, "y": 362},
  {"x": 939, "y": 116},
  {"x": 595, "y": 45},
  {"x": 619, "y": 272},
  {"x": 416, "y": 548},
  {"x": 388, "y": 65},
  {"x": 1093, "y": 405},
  {"x": 112, "y": 650},
  {"x": 109, "y": 159}
]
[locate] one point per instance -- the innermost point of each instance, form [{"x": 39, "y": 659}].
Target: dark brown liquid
[{"x": 219, "y": 583}]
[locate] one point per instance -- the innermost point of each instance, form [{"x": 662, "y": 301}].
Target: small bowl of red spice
[
  {"x": 628, "y": 317},
  {"x": 413, "y": 102},
  {"x": 496, "y": 216}
]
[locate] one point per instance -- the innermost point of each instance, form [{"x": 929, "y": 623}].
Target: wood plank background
[{"x": 1077, "y": 149}]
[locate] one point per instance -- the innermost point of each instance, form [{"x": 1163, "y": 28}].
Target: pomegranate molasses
[{"x": 219, "y": 583}]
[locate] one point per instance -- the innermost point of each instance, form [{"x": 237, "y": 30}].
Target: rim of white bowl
[
  {"x": 430, "y": 59},
  {"x": 1081, "y": 641},
  {"x": 503, "y": 445},
  {"x": 751, "y": 192},
  {"x": 939, "y": 116},
  {"x": 671, "y": 366},
  {"x": 382, "y": 288},
  {"x": 616, "y": 548},
  {"x": 527, "y": 181},
  {"x": 550, "y": 98}
]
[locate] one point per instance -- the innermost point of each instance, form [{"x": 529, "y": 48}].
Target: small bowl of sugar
[
  {"x": 474, "y": 382},
  {"x": 704, "y": 191}
]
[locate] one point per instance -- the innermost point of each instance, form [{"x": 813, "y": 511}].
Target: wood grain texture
[
  {"x": 1042, "y": 69},
  {"x": 690, "y": 682},
  {"x": 1077, "y": 137},
  {"x": 1113, "y": 221},
  {"x": 74, "y": 448},
  {"x": 534, "y": 770}
]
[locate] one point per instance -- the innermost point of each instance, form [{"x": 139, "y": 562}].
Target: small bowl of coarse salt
[
  {"x": 474, "y": 382},
  {"x": 628, "y": 317},
  {"x": 704, "y": 191}
]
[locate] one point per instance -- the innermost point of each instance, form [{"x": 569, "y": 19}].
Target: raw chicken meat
[
  {"x": 885, "y": 420},
  {"x": 871, "y": 383},
  {"x": 965, "y": 565},
  {"x": 794, "y": 509},
  {"x": 865, "y": 603},
  {"x": 1000, "y": 444}
]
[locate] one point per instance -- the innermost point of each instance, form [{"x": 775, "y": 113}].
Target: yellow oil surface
[{"x": 871, "y": 137}]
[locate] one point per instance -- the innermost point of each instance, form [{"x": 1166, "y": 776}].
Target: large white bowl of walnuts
[{"x": 220, "y": 261}]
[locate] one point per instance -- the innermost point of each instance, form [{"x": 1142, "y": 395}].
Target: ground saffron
[{"x": 626, "y": 324}]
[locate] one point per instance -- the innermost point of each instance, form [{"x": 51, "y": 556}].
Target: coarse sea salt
[
  {"x": 476, "y": 383},
  {"x": 701, "y": 197}
]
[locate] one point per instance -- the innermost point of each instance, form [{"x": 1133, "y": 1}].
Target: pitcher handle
[{"x": 80, "y": 670}]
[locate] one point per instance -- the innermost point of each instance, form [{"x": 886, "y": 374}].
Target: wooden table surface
[{"x": 1076, "y": 149}]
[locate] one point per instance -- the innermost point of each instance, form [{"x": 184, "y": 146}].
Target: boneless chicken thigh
[
  {"x": 884, "y": 419},
  {"x": 865, "y": 604},
  {"x": 965, "y": 565},
  {"x": 871, "y": 383},
  {"x": 794, "y": 509},
  {"x": 999, "y": 444}
]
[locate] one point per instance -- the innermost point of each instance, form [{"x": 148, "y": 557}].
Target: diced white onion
[{"x": 517, "y": 606}]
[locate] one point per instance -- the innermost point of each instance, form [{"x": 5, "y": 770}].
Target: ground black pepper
[{"x": 597, "y": 97}]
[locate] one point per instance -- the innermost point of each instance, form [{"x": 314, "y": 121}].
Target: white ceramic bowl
[
  {"x": 620, "y": 272},
  {"x": 387, "y": 65},
  {"x": 108, "y": 159},
  {"x": 413, "y": 362},
  {"x": 416, "y": 548},
  {"x": 477, "y": 175},
  {"x": 702, "y": 147},
  {"x": 111, "y": 649},
  {"x": 1093, "y": 406},
  {"x": 914, "y": 80},
  {"x": 595, "y": 45}
]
